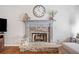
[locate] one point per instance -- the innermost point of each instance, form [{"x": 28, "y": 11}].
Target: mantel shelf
[{"x": 47, "y": 21}]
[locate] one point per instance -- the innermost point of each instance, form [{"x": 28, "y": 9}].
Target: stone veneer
[{"x": 39, "y": 30}]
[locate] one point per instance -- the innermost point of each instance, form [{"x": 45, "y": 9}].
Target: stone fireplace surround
[
  {"x": 39, "y": 29},
  {"x": 43, "y": 30}
]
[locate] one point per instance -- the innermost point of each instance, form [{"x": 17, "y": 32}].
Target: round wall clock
[{"x": 39, "y": 11}]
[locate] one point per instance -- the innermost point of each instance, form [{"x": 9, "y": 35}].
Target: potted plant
[{"x": 51, "y": 14}]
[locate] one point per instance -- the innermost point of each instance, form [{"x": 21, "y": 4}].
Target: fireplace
[
  {"x": 39, "y": 30},
  {"x": 39, "y": 37}
]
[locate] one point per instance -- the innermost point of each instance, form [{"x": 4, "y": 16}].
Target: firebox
[{"x": 39, "y": 37}]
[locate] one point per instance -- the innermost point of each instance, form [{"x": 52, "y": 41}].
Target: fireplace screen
[{"x": 39, "y": 37}]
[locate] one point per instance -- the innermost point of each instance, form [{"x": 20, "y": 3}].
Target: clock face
[{"x": 39, "y": 11}]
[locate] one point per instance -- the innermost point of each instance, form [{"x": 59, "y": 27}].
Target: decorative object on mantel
[
  {"x": 25, "y": 20},
  {"x": 51, "y": 14}
]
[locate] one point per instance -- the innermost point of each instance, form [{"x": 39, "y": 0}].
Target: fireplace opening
[{"x": 39, "y": 37}]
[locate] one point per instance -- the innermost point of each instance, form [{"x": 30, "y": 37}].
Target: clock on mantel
[{"x": 39, "y": 11}]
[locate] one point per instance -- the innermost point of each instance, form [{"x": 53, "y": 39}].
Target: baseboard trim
[{"x": 11, "y": 44}]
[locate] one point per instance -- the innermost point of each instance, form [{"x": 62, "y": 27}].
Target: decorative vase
[
  {"x": 50, "y": 18},
  {"x": 25, "y": 18}
]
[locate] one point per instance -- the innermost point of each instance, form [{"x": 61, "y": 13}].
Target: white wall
[
  {"x": 75, "y": 26},
  {"x": 61, "y": 27}
]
